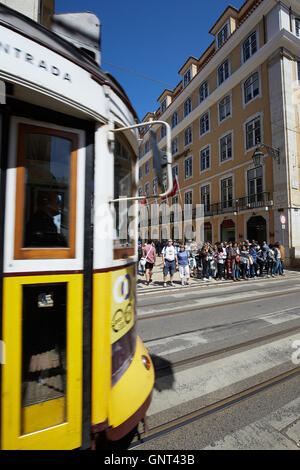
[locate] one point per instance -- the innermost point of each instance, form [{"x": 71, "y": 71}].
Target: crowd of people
[{"x": 219, "y": 261}]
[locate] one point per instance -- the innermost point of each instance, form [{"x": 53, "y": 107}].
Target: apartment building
[{"x": 243, "y": 90}]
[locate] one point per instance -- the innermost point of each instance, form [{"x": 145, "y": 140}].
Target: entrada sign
[{"x": 37, "y": 62}]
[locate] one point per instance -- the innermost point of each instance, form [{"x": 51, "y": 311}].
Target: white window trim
[
  {"x": 206, "y": 132},
  {"x": 256, "y": 31},
  {"x": 225, "y": 177},
  {"x": 174, "y": 166},
  {"x": 204, "y": 81},
  {"x": 232, "y": 146},
  {"x": 188, "y": 191},
  {"x": 252, "y": 167},
  {"x": 147, "y": 184},
  {"x": 250, "y": 118},
  {"x": 229, "y": 71},
  {"x": 172, "y": 127},
  {"x": 173, "y": 140},
  {"x": 190, "y": 143},
  {"x": 191, "y": 176},
  {"x": 259, "y": 84},
  {"x": 209, "y": 168},
  {"x": 229, "y": 34},
  {"x": 188, "y": 70},
  {"x": 230, "y": 115},
  {"x": 183, "y": 109},
  {"x": 202, "y": 185}
]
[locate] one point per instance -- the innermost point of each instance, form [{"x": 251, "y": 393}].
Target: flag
[
  {"x": 174, "y": 189},
  {"x": 144, "y": 201}
]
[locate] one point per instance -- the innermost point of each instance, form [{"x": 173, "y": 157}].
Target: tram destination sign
[
  {"x": 28, "y": 63},
  {"x": 35, "y": 61}
]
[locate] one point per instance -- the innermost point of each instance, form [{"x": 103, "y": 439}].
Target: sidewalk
[{"x": 158, "y": 284}]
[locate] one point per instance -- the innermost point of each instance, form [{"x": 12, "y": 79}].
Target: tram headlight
[{"x": 146, "y": 361}]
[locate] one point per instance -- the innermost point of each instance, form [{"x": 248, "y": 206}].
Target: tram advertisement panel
[{"x": 122, "y": 303}]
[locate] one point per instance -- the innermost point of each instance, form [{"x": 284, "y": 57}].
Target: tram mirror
[{"x": 159, "y": 158}]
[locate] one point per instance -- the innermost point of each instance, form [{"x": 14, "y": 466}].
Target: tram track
[
  {"x": 215, "y": 407},
  {"x": 224, "y": 302},
  {"x": 160, "y": 368}
]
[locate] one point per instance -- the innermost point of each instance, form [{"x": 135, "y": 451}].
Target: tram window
[
  {"x": 43, "y": 356},
  {"x": 124, "y": 160},
  {"x": 45, "y": 209}
]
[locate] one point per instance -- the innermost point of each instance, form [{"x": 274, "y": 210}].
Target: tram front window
[
  {"x": 46, "y": 193},
  {"x": 46, "y": 209},
  {"x": 123, "y": 187}
]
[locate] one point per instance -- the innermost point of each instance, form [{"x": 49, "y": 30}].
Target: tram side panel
[{"x": 121, "y": 382}]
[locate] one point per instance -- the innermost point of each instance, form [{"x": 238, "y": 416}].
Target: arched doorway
[
  {"x": 257, "y": 229},
  {"x": 228, "y": 231}
]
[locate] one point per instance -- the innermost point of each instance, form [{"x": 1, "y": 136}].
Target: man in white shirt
[{"x": 169, "y": 260}]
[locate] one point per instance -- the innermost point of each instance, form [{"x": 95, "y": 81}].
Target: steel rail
[
  {"x": 215, "y": 407},
  {"x": 218, "y": 352}
]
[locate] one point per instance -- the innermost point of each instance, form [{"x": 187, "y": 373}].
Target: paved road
[{"x": 217, "y": 322}]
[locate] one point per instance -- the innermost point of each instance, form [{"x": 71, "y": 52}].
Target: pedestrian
[
  {"x": 277, "y": 260},
  {"x": 244, "y": 260},
  {"x": 253, "y": 261},
  {"x": 235, "y": 262},
  {"x": 169, "y": 261},
  {"x": 220, "y": 263},
  {"x": 140, "y": 255},
  {"x": 183, "y": 263},
  {"x": 149, "y": 253}
]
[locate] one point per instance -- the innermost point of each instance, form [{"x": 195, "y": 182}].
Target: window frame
[
  {"x": 188, "y": 74},
  {"x": 191, "y": 135},
  {"x": 250, "y": 47},
  {"x": 222, "y": 137},
  {"x": 246, "y": 124},
  {"x": 204, "y": 87},
  {"x": 187, "y": 107},
  {"x": 226, "y": 61},
  {"x": 204, "y": 115},
  {"x": 226, "y": 116},
  {"x": 190, "y": 175},
  {"x": 226, "y": 27},
  {"x": 258, "y": 95},
  {"x": 20, "y": 252},
  {"x": 173, "y": 123},
  {"x": 203, "y": 149}
]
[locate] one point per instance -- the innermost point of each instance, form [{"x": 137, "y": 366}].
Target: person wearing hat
[{"x": 170, "y": 262}]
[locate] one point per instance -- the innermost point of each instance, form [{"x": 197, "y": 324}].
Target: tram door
[{"x": 42, "y": 292}]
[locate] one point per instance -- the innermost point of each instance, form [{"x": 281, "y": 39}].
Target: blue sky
[{"x": 150, "y": 38}]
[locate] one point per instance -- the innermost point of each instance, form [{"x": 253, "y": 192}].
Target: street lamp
[{"x": 258, "y": 154}]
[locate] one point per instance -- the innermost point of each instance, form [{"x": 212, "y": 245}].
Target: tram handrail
[{"x": 168, "y": 155}]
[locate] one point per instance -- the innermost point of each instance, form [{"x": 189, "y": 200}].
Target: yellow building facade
[{"x": 243, "y": 90}]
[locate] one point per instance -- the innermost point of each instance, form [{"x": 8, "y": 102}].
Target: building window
[
  {"x": 163, "y": 105},
  {"x": 226, "y": 148},
  {"x": 154, "y": 186},
  {"x": 174, "y": 121},
  {"x": 297, "y": 27},
  {"x": 188, "y": 135},
  {"x": 162, "y": 132},
  {"x": 205, "y": 197},
  {"x": 249, "y": 46},
  {"x": 298, "y": 69},
  {"x": 222, "y": 35},
  {"x": 188, "y": 167},
  {"x": 146, "y": 168},
  {"x": 255, "y": 184},
  {"x": 174, "y": 171},
  {"x": 188, "y": 197},
  {"x": 140, "y": 173},
  {"x": 140, "y": 153},
  {"x": 187, "y": 77},
  {"x": 253, "y": 133},
  {"x": 187, "y": 107},
  {"x": 251, "y": 87},
  {"x": 203, "y": 91},
  {"x": 147, "y": 189},
  {"x": 204, "y": 124},
  {"x": 223, "y": 72},
  {"x": 225, "y": 108},
  {"x": 174, "y": 145},
  {"x": 147, "y": 146},
  {"x": 226, "y": 192},
  {"x": 205, "y": 159}
]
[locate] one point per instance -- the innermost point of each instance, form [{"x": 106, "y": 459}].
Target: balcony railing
[{"x": 229, "y": 206}]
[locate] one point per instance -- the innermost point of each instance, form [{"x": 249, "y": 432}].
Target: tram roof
[{"x": 32, "y": 30}]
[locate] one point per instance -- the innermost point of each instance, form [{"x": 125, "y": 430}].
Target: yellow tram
[{"x": 73, "y": 367}]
